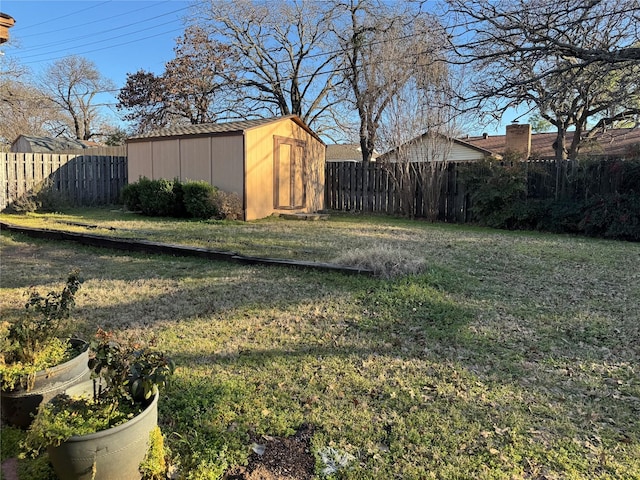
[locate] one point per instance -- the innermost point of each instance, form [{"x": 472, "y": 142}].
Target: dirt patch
[{"x": 282, "y": 459}]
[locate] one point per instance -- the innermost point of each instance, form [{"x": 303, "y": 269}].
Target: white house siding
[
  {"x": 461, "y": 153},
  {"x": 425, "y": 152}
]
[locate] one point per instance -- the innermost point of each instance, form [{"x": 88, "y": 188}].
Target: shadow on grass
[{"x": 261, "y": 350}]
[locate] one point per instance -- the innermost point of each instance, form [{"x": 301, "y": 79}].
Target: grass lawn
[{"x": 510, "y": 355}]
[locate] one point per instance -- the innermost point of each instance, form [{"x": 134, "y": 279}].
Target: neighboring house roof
[
  {"x": 614, "y": 142},
  {"x": 31, "y": 144},
  {"x": 346, "y": 152},
  {"x": 459, "y": 147},
  {"x": 217, "y": 128}
]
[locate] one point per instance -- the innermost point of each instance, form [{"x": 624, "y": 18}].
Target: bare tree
[
  {"x": 191, "y": 89},
  {"x": 282, "y": 55},
  {"x": 595, "y": 31},
  {"x": 522, "y": 52},
  {"x": 418, "y": 129},
  {"x": 24, "y": 110},
  {"x": 550, "y": 56},
  {"x": 72, "y": 83},
  {"x": 383, "y": 47}
]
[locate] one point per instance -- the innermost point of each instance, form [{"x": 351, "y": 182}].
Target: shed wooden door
[{"x": 289, "y": 185}]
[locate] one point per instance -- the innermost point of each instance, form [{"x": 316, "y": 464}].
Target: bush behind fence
[{"x": 352, "y": 186}]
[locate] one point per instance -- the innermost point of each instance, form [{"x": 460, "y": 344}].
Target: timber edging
[{"x": 146, "y": 246}]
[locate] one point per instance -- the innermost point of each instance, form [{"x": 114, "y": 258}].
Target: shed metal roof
[{"x": 235, "y": 127}]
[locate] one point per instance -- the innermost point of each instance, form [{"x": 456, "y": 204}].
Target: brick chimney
[{"x": 518, "y": 139}]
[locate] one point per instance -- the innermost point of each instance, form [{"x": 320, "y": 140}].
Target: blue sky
[{"x": 119, "y": 36}]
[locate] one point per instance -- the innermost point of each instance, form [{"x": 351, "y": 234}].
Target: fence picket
[
  {"x": 352, "y": 186},
  {"x": 82, "y": 179}
]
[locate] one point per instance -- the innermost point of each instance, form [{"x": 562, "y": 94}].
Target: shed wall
[
  {"x": 217, "y": 160},
  {"x": 165, "y": 156},
  {"x": 260, "y": 176},
  {"x": 195, "y": 159},
  {"x": 139, "y": 161},
  {"x": 227, "y": 163}
]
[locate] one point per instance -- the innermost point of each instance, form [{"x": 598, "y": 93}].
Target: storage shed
[{"x": 276, "y": 165}]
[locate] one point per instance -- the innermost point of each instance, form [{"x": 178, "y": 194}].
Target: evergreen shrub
[
  {"x": 157, "y": 198},
  {"x": 199, "y": 200}
]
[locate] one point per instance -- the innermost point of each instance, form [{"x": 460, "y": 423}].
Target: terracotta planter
[
  {"x": 19, "y": 405},
  {"x": 113, "y": 454}
]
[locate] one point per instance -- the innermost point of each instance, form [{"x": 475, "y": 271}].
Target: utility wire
[
  {"x": 106, "y": 48},
  {"x": 55, "y": 51},
  {"x": 107, "y": 39},
  {"x": 84, "y": 24},
  {"x": 94, "y": 34},
  {"x": 316, "y": 55},
  {"x": 63, "y": 16}
]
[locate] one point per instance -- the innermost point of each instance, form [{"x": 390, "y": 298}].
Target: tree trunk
[{"x": 561, "y": 161}]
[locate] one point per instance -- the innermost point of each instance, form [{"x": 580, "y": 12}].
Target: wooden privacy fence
[
  {"x": 352, "y": 186},
  {"x": 80, "y": 179}
]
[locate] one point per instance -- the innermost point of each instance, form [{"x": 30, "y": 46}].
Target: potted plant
[
  {"x": 100, "y": 429},
  {"x": 37, "y": 358}
]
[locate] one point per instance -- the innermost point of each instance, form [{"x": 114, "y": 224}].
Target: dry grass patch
[
  {"x": 386, "y": 261},
  {"x": 509, "y": 355}
]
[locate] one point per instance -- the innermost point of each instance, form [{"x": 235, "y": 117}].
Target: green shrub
[
  {"x": 199, "y": 199},
  {"x": 194, "y": 199},
  {"x": 630, "y": 177},
  {"x": 494, "y": 189},
  {"x": 562, "y": 216},
  {"x": 521, "y": 215},
  {"x": 130, "y": 197},
  {"x": 613, "y": 216},
  {"x": 178, "y": 191},
  {"x": 157, "y": 197}
]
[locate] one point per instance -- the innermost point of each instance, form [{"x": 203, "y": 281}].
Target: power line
[
  {"x": 64, "y": 16},
  {"x": 105, "y": 48},
  {"x": 104, "y": 40},
  {"x": 288, "y": 78},
  {"x": 84, "y": 24},
  {"x": 93, "y": 34},
  {"x": 53, "y": 52}
]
